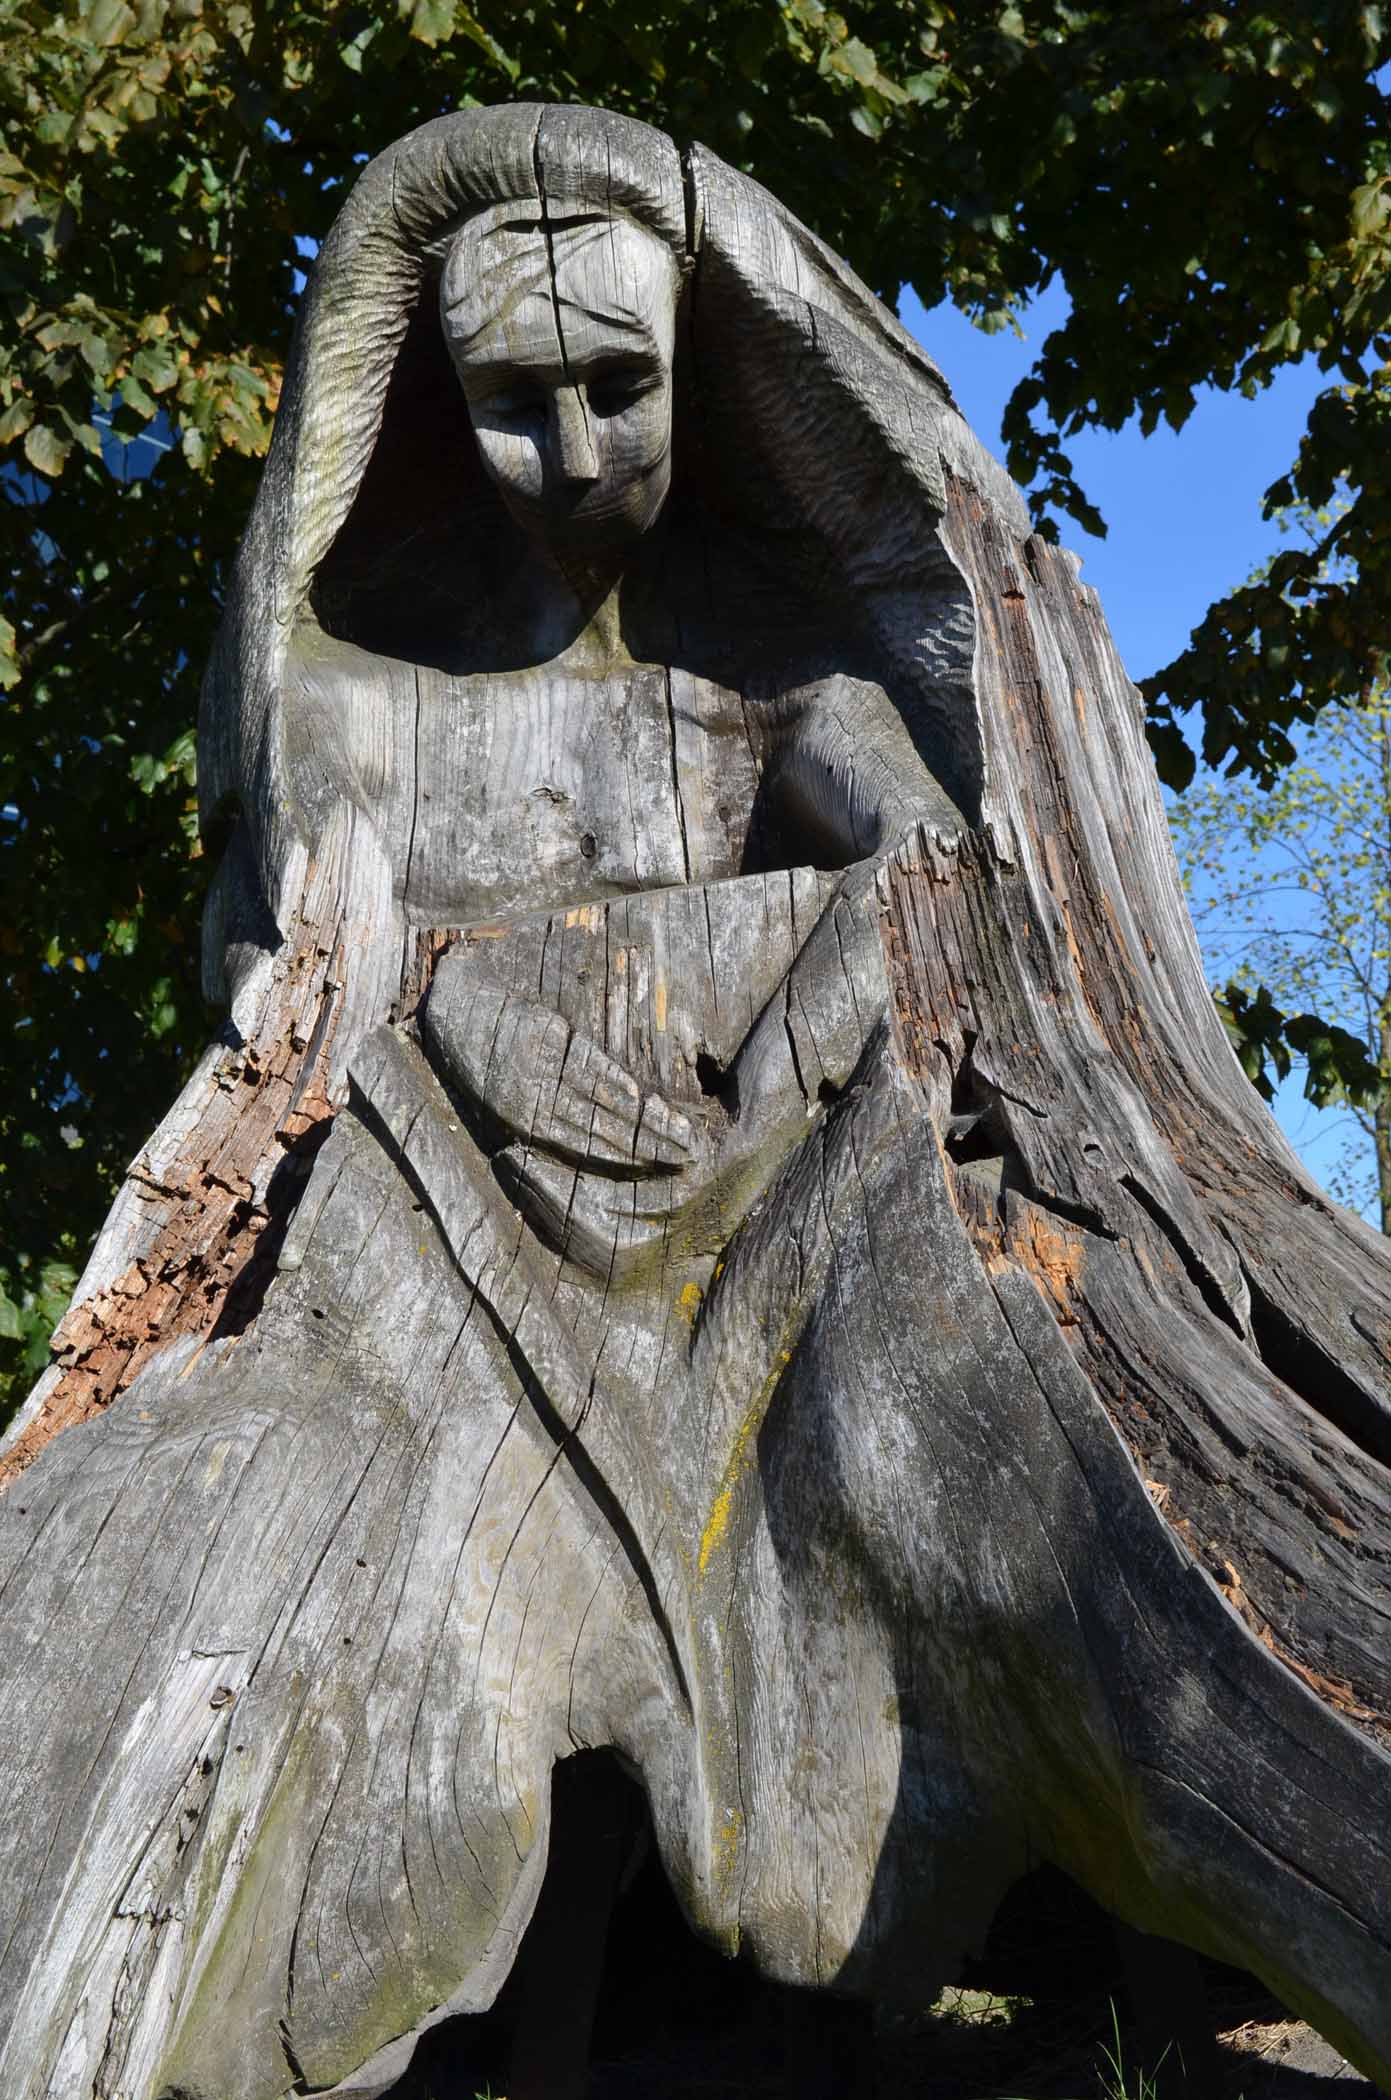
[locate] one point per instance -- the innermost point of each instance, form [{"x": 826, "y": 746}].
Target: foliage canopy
[{"x": 1212, "y": 185}]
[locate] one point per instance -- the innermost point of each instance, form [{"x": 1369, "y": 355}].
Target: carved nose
[{"x": 572, "y": 442}]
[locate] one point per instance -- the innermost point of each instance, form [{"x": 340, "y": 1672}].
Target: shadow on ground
[{"x": 1033, "y": 2019}]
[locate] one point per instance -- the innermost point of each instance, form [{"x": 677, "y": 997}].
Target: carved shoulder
[{"x": 346, "y": 713}]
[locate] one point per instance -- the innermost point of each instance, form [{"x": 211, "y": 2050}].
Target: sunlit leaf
[
  {"x": 432, "y": 21},
  {"x": 44, "y": 449}
]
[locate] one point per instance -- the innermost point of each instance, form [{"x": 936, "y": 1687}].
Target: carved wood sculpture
[{"x": 723, "y": 1225}]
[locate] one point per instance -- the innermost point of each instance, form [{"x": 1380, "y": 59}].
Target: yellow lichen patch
[
  {"x": 726, "y": 1850},
  {"x": 659, "y": 1005},
  {"x": 689, "y": 1303},
  {"x": 717, "y": 1523}
]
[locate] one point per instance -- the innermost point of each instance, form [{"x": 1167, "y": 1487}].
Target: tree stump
[{"x": 723, "y": 1225}]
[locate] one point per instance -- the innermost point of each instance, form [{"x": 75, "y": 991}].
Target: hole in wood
[
  {"x": 665, "y": 2014},
  {"x": 710, "y": 1073}
]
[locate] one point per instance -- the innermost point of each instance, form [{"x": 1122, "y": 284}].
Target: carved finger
[{"x": 522, "y": 1063}]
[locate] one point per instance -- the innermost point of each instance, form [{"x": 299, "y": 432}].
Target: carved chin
[{"x": 599, "y": 521}]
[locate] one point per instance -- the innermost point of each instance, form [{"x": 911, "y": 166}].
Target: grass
[
  {"x": 981, "y": 2008},
  {"x": 1114, "y": 2083},
  {"x": 974, "y": 2042}
]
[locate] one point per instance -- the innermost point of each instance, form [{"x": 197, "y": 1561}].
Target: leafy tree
[
  {"x": 1291, "y": 892},
  {"x": 1210, "y": 183}
]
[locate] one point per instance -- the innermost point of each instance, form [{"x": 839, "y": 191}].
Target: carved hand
[{"x": 540, "y": 1080}]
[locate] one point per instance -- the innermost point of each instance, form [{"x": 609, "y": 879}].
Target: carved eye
[
  {"x": 514, "y": 404},
  {"x": 617, "y": 391}
]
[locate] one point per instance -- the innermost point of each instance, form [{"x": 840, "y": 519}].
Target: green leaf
[
  {"x": 45, "y": 450},
  {"x": 96, "y": 352},
  {"x": 1370, "y": 206},
  {"x": 432, "y": 21},
  {"x": 182, "y": 756},
  {"x": 57, "y": 1282},
  {"x": 1173, "y": 759},
  {"x": 353, "y": 54},
  {"x": 925, "y": 87},
  {"x": 133, "y": 395},
  {"x": 1340, "y": 1066},
  {"x": 107, "y": 21},
  {"x": 858, "y": 61},
  {"x": 12, "y": 1324},
  {"x": 1284, "y": 336},
  {"x": 157, "y": 366},
  {"x": 16, "y": 420}
]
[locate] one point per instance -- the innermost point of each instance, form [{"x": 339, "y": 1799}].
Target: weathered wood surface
[{"x": 800, "y": 1293}]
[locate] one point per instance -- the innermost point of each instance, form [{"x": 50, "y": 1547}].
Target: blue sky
[
  {"x": 1183, "y": 507},
  {"x": 1184, "y": 512}
]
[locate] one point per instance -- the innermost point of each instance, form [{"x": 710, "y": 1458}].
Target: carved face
[{"x": 562, "y": 338}]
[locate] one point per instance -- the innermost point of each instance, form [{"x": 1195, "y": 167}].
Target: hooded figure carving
[{"x": 740, "y": 1123}]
